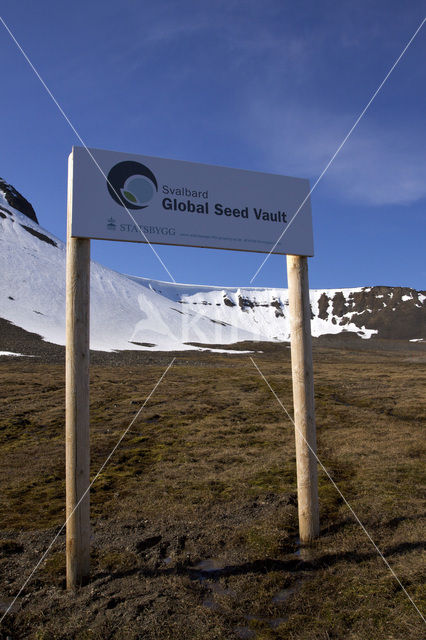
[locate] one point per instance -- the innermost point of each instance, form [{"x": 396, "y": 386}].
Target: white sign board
[{"x": 139, "y": 198}]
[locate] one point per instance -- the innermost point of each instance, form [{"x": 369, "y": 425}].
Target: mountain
[
  {"x": 129, "y": 312},
  {"x": 16, "y": 200}
]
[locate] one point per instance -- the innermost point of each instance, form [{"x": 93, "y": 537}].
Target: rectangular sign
[{"x": 144, "y": 199}]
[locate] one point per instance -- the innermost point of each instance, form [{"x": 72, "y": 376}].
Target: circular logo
[{"x": 131, "y": 184}]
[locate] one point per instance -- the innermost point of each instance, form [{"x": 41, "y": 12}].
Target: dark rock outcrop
[
  {"x": 40, "y": 236},
  {"x": 323, "y": 307},
  {"x": 17, "y": 201}
]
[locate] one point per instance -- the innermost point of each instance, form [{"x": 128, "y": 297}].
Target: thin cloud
[{"x": 380, "y": 165}]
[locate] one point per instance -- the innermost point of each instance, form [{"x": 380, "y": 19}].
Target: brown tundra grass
[{"x": 195, "y": 517}]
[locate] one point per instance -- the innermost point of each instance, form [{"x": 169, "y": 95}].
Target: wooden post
[
  {"x": 77, "y": 455},
  {"x": 303, "y": 397}
]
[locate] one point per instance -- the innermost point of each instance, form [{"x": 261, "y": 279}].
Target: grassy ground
[{"x": 195, "y": 517}]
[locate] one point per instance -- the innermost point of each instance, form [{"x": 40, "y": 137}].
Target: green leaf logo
[
  {"x": 131, "y": 184},
  {"x": 130, "y": 196}
]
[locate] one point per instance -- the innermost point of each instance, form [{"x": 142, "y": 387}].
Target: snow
[
  {"x": 320, "y": 327},
  {"x": 3, "y": 201},
  {"x": 10, "y": 353},
  {"x": 225, "y": 350},
  {"x": 129, "y": 309},
  {"x": 123, "y": 311}
]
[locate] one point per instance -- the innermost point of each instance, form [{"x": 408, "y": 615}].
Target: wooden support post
[
  {"x": 77, "y": 454},
  {"x": 303, "y": 397}
]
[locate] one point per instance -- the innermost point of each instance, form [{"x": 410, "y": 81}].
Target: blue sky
[{"x": 269, "y": 86}]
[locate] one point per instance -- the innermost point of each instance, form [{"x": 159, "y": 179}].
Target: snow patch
[{"x": 11, "y": 353}]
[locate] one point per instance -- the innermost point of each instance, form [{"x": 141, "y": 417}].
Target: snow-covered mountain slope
[
  {"x": 124, "y": 314},
  {"x": 137, "y": 313},
  {"x": 389, "y": 312}
]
